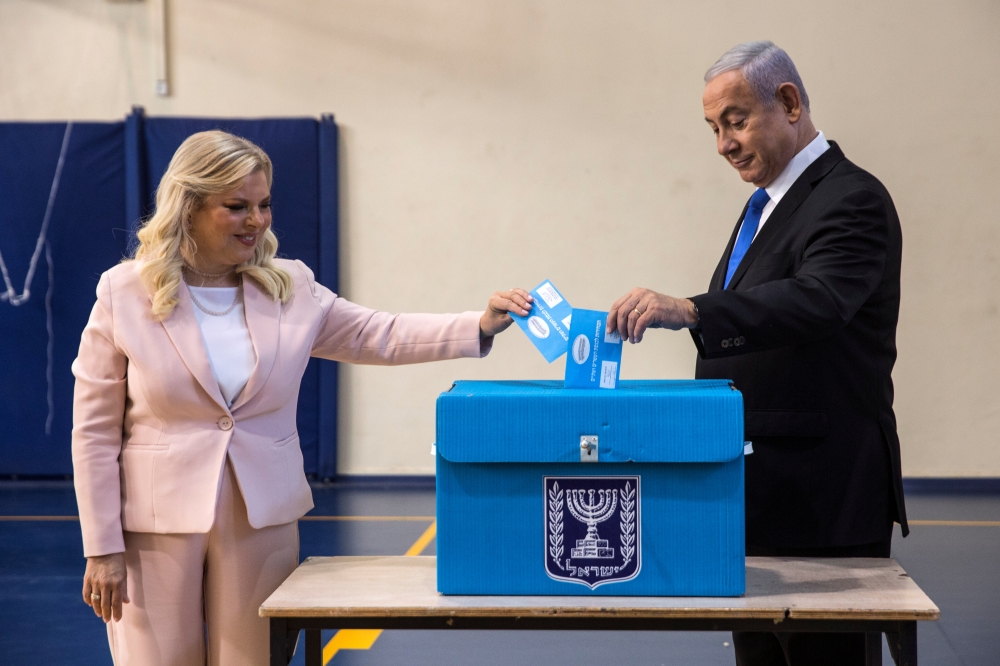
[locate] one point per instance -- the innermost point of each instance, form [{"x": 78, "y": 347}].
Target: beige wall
[{"x": 488, "y": 144}]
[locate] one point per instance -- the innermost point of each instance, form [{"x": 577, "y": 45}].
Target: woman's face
[{"x": 227, "y": 228}]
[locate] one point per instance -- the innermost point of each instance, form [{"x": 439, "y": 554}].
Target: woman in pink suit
[{"x": 189, "y": 475}]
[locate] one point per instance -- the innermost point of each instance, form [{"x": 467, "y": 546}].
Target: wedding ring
[
  {"x": 636, "y": 310},
  {"x": 95, "y": 597}
]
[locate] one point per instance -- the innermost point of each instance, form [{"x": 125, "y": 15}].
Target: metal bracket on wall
[
  {"x": 159, "y": 23},
  {"x": 588, "y": 448}
]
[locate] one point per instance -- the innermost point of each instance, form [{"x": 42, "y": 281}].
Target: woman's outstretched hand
[
  {"x": 104, "y": 585},
  {"x": 496, "y": 318}
]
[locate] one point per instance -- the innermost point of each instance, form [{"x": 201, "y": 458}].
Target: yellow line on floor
[
  {"x": 350, "y": 639},
  {"x": 420, "y": 544},
  {"x": 363, "y": 639}
]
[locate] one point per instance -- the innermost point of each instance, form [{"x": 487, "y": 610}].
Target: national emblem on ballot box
[{"x": 592, "y": 533}]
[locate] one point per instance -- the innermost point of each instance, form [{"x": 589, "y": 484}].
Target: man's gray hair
[{"x": 764, "y": 66}]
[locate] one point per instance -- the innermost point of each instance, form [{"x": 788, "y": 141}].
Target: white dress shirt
[
  {"x": 227, "y": 339},
  {"x": 780, "y": 185}
]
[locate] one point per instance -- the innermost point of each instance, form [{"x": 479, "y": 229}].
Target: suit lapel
[
  {"x": 789, "y": 203},
  {"x": 719, "y": 277},
  {"x": 184, "y": 332},
  {"x": 263, "y": 315}
]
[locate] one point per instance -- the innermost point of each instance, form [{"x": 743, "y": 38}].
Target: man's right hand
[
  {"x": 640, "y": 309},
  {"x": 104, "y": 585}
]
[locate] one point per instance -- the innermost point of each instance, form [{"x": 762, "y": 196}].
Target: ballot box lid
[{"x": 670, "y": 421}]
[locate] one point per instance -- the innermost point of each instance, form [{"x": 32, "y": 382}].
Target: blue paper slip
[
  {"x": 595, "y": 357},
  {"x": 547, "y": 323}
]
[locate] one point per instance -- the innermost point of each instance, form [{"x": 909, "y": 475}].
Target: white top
[
  {"x": 227, "y": 339},
  {"x": 780, "y": 185}
]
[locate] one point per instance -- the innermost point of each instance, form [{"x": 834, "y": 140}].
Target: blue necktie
[{"x": 747, "y": 231}]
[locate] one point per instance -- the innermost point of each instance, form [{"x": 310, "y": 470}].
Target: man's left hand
[{"x": 640, "y": 309}]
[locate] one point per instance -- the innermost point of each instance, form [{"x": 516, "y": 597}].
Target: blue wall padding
[
  {"x": 87, "y": 235},
  {"x": 329, "y": 270},
  {"x": 108, "y": 186}
]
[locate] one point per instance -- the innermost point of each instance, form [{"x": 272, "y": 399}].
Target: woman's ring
[{"x": 95, "y": 597}]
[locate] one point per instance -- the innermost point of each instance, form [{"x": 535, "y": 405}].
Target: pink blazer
[{"x": 151, "y": 430}]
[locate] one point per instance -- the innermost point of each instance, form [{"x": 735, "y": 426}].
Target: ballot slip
[
  {"x": 595, "y": 356},
  {"x": 548, "y": 321}
]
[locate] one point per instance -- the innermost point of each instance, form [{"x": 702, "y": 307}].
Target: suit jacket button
[
  {"x": 225, "y": 423},
  {"x": 743, "y": 340},
  {"x": 725, "y": 343}
]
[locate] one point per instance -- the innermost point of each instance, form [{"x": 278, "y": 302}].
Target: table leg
[
  {"x": 873, "y": 648},
  {"x": 314, "y": 648},
  {"x": 907, "y": 644},
  {"x": 903, "y": 644},
  {"x": 279, "y": 642}
]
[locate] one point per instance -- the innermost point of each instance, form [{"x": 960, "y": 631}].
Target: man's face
[{"x": 758, "y": 141}]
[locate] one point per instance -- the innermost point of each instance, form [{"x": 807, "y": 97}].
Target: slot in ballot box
[{"x": 544, "y": 490}]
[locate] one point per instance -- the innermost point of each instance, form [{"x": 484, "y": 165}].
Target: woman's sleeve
[
  {"x": 98, "y": 413},
  {"x": 354, "y": 334}
]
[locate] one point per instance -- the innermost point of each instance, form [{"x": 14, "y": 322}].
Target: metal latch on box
[{"x": 588, "y": 448}]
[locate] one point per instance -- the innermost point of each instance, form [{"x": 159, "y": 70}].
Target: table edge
[
  {"x": 594, "y": 610},
  {"x": 583, "y": 613}
]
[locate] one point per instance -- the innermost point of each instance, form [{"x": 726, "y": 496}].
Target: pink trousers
[{"x": 194, "y": 597}]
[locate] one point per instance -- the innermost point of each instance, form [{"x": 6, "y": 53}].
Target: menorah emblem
[
  {"x": 574, "y": 508},
  {"x": 592, "y": 507}
]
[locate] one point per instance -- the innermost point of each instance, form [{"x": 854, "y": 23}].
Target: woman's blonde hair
[{"x": 207, "y": 163}]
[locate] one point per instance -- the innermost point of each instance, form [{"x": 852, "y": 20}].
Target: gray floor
[{"x": 43, "y": 620}]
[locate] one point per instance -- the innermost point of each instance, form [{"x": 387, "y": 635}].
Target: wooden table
[{"x": 868, "y": 595}]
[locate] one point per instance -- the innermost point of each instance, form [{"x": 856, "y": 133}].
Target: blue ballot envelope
[
  {"x": 595, "y": 357},
  {"x": 548, "y": 490},
  {"x": 547, "y": 324}
]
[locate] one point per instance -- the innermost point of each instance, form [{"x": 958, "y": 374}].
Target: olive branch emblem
[
  {"x": 627, "y": 523},
  {"x": 556, "y": 523}
]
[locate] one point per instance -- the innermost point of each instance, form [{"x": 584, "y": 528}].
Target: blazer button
[
  {"x": 225, "y": 423},
  {"x": 743, "y": 340},
  {"x": 725, "y": 343}
]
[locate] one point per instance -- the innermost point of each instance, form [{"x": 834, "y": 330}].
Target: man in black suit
[{"x": 801, "y": 314}]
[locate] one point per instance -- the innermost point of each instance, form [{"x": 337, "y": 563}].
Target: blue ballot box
[{"x": 546, "y": 490}]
